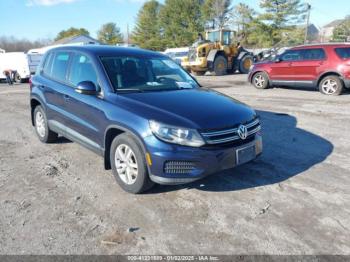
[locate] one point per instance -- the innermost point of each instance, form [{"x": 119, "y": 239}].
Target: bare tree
[{"x": 13, "y": 44}]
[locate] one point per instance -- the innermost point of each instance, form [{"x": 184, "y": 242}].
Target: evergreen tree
[
  {"x": 71, "y": 32},
  {"x": 181, "y": 21},
  {"x": 281, "y": 16},
  {"x": 110, "y": 34},
  {"x": 244, "y": 18},
  {"x": 216, "y": 12},
  {"x": 147, "y": 32}
]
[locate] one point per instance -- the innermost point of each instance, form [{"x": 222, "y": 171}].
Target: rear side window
[
  {"x": 314, "y": 54},
  {"x": 82, "y": 69},
  {"x": 343, "y": 53},
  {"x": 59, "y": 65},
  {"x": 47, "y": 65}
]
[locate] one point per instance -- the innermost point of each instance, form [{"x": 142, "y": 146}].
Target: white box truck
[{"x": 15, "y": 61}]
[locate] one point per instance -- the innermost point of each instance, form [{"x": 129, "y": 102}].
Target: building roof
[
  {"x": 77, "y": 38},
  {"x": 334, "y": 23}
]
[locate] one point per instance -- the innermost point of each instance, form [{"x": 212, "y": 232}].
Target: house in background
[
  {"x": 326, "y": 33},
  {"x": 313, "y": 33},
  {"x": 77, "y": 40}
]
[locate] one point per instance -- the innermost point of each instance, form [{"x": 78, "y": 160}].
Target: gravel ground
[{"x": 295, "y": 199}]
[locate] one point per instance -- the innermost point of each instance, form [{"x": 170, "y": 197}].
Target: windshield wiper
[{"x": 127, "y": 90}]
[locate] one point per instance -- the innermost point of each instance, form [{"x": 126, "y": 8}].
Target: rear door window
[
  {"x": 314, "y": 54},
  {"x": 59, "y": 65},
  {"x": 343, "y": 52}
]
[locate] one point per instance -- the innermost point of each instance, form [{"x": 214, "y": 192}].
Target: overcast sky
[{"x": 34, "y": 19}]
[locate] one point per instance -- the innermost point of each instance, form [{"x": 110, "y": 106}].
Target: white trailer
[{"x": 15, "y": 61}]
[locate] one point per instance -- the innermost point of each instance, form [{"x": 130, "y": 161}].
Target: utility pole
[
  {"x": 127, "y": 34},
  {"x": 307, "y": 23}
]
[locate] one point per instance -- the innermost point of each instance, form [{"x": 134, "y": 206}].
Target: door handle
[
  {"x": 290, "y": 64},
  {"x": 66, "y": 98}
]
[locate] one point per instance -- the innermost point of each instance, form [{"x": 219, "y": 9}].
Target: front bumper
[
  {"x": 200, "y": 64},
  {"x": 207, "y": 161}
]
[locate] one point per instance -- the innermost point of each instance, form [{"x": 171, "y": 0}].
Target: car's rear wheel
[
  {"x": 260, "y": 80},
  {"x": 129, "y": 165},
  {"x": 45, "y": 135},
  {"x": 18, "y": 78},
  {"x": 331, "y": 85}
]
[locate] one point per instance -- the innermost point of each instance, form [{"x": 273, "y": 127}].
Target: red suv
[{"x": 326, "y": 66}]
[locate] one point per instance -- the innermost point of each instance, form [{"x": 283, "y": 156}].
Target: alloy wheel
[
  {"x": 40, "y": 124},
  {"x": 259, "y": 81},
  {"x": 329, "y": 86},
  {"x": 126, "y": 164}
]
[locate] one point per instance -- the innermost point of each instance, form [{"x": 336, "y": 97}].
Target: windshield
[{"x": 146, "y": 74}]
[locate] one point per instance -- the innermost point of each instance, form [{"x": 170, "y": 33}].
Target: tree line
[{"x": 177, "y": 23}]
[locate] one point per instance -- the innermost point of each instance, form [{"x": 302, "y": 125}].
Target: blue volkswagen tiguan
[{"x": 147, "y": 117}]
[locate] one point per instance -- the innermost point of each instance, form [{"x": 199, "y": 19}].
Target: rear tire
[
  {"x": 43, "y": 132},
  {"x": 245, "y": 64},
  {"x": 331, "y": 85},
  {"x": 129, "y": 165},
  {"x": 18, "y": 78},
  {"x": 260, "y": 80},
  {"x": 220, "y": 66}
]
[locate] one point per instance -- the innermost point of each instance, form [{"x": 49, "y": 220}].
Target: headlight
[{"x": 176, "y": 135}]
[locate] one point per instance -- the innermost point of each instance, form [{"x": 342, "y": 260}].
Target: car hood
[{"x": 192, "y": 108}]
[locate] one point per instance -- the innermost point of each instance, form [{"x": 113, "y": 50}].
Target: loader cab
[{"x": 223, "y": 36}]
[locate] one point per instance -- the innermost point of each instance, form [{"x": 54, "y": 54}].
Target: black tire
[
  {"x": 220, "y": 66},
  {"x": 49, "y": 136},
  {"x": 142, "y": 182},
  {"x": 331, "y": 85},
  {"x": 198, "y": 73},
  {"x": 18, "y": 78},
  {"x": 260, "y": 80},
  {"x": 245, "y": 63}
]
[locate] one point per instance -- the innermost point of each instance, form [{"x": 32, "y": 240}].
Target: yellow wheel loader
[{"x": 218, "y": 55}]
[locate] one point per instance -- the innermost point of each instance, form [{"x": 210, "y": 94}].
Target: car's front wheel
[
  {"x": 41, "y": 127},
  {"x": 260, "y": 80},
  {"x": 331, "y": 85},
  {"x": 129, "y": 165}
]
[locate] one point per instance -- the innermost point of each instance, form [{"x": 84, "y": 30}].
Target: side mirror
[
  {"x": 86, "y": 88},
  {"x": 278, "y": 59}
]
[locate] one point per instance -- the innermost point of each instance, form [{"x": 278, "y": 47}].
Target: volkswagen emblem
[{"x": 242, "y": 132}]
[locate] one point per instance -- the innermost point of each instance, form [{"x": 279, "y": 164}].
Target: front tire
[
  {"x": 260, "y": 80},
  {"x": 43, "y": 132},
  {"x": 331, "y": 85},
  {"x": 220, "y": 66},
  {"x": 129, "y": 165},
  {"x": 245, "y": 64}
]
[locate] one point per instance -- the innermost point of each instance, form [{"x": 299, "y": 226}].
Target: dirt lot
[{"x": 295, "y": 199}]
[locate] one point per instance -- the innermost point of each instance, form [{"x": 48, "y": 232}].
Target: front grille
[
  {"x": 230, "y": 135},
  {"x": 178, "y": 167},
  {"x": 192, "y": 54}
]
